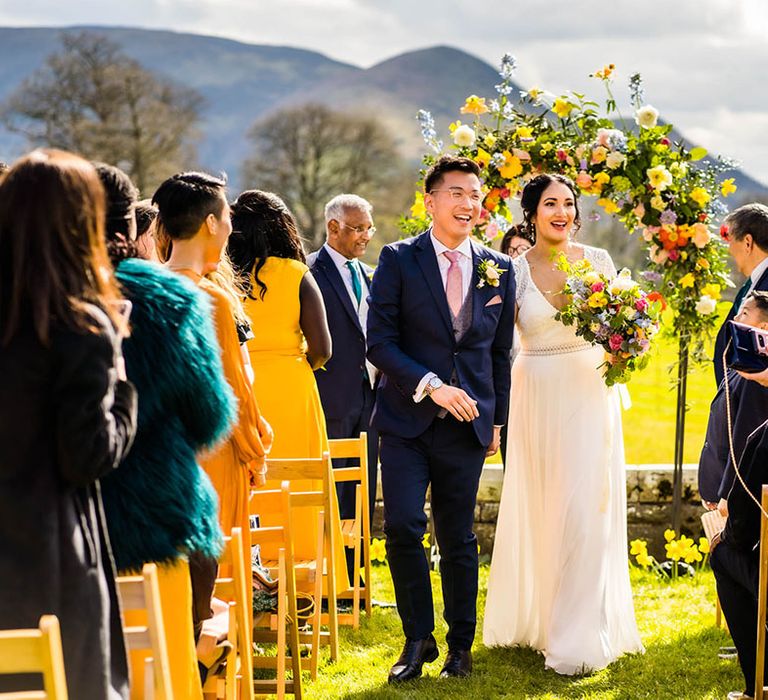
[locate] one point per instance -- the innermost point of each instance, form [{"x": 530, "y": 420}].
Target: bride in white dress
[{"x": 559, "y": 579}]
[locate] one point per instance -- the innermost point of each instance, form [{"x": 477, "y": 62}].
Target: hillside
[{"x": 242, "y": 83}]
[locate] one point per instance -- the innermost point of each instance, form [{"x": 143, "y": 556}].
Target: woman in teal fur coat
[{"x": 160, "y": 505}]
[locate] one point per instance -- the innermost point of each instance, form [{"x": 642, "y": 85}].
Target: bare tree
[
  {"x": 92, "y": 99},
  {"x": 310, "y": 153}
]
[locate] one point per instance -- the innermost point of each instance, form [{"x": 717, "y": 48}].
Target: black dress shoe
[
  {"x": 458, "y": 664},
  {"x": 416, "y": 653}
]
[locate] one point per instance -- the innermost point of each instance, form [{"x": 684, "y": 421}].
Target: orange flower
[{"x": 474, "y": 105}]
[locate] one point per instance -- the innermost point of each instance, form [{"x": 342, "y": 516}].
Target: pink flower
[
  {"x": 641, "y": 304},
  {"x": 561, "y": 154},
  {"x": 615, "y": 342},
  {"x": 584, "y": 180},
  {"x": 598, "y": 287},
  {"x": 674, "y": 255},
  {"x": 492, "y": 230}
]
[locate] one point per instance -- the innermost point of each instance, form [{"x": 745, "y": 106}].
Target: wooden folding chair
[
  {"x": 760, "y": 690},
  {"x": 356, "y": 532},
  {"x": 235, "y": 680},
  {"x": 317, "y": 469},
  {"x": 35, "y": 651},
  {"x": 280, "y": 627},
  {"x": 142, "y": 593}
]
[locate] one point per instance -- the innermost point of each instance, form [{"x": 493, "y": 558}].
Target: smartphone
[{"x": 748, "y": 351}]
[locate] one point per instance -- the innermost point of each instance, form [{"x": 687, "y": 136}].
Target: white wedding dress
[{"x": 559, "y": 579}]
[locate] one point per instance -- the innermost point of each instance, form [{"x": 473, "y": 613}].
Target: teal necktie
[
  {"x": 356, "y": 288},
  {"x": 740, "y": 296}
]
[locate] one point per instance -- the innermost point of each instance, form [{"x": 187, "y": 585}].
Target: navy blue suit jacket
[
  {"x": 340, "y": 380},
  {"x": 722, "y": 337},
  {"x": 410, "y": 334},
  {"x": 749, "y": 408}
]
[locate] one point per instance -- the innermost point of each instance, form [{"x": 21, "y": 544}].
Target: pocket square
[{"x": 495, "y": 300}]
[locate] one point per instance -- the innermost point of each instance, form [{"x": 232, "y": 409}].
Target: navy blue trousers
[
  {"x": 350, "y": 427},
  {"x": 449, "y": 458}
]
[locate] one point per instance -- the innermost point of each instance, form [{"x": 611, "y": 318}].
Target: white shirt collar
[
  {"x": 757, "y": 273},
  {"x": 338, "y": 259},
  {"x": 465, "y": 248}
]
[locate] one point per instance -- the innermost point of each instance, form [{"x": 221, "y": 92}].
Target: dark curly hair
[
  {"x": 531, "y": 197},
  {"x": 516, "y": 231},
  {"x": 262, "y": 227}
]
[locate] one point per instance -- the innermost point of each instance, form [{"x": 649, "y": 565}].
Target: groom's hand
[
  {"x": 493, "y": 448},
  {"x": 456, "y": 401}
]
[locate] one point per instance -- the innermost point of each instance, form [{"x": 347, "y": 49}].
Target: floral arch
[{"x": 656, "y": 187}]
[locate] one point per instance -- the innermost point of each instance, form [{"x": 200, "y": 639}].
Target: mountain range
[{"x": 242, "y": 83}]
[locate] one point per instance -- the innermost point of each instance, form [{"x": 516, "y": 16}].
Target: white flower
[
  {"x": 622, "y": 282},
  {"x": 464, "y": 136},
  {"x": 615, "y": 160},
  {"x": 492, "y": 274},
  {"x": 647, "y": 117},
  {"x": 706, "y": 305}
]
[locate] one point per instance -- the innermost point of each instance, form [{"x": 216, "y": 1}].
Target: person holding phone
[
  {"x": 68, "y": 420},
  {"x": 749, "y": 408}
]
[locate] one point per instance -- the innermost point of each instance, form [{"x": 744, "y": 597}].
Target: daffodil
[
  {"x": 418, "y": 210},
  {"x": 562, "y": 107},
  {"x": 482, "y": 158},
  {"x": 700, "y": 196},
  {"x": 378, "y": 550},
  {"x": 703, "y": 545},
  {"x": 644, "y": 559},
  {"x": 711, "y": 289},
  {"x": 659, "y": 177},
  {"x": 474, "y": 105},
  {"x": 609, "y": 205},
  {"x": 727, "y": 187},
  {"x": 669, "y": 535},
  {"x": 524, "y": 133},
  {"x": 638, "y": 547}
]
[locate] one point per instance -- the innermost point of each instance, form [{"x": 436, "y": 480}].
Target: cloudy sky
[{"x": 704, "y": 62}]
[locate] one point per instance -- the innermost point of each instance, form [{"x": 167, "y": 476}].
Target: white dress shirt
[
  {"x": 465, "y": 264},
  {"x": 757, "y": 273}
]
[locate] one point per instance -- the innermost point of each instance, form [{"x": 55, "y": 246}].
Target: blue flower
[
  {"x": 668, "y": 217},
  {"x": 428, "y": 132}
]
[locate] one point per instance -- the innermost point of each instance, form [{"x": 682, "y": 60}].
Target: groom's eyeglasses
[{"x": 459, "y": 195}]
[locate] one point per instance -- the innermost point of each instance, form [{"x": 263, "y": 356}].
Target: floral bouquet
[{"x": 614, "y": 313}]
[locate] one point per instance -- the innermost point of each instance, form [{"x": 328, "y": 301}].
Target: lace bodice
[{"x": 539, "y": 332}]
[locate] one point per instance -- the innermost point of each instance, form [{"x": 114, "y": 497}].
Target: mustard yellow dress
[
  {"x": 241, "y": 457},
  {"x": 286, "y": 390}
]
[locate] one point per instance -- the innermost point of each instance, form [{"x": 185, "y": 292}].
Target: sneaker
[{"x": 738, "y": 695}]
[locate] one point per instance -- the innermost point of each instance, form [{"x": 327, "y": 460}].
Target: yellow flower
[
  {"x": 425, "y": 541},
  {"x": 638, "y": 547},
  {"x": 482, "y": 158},
  {"x": 700, "y": 196},
  {"x": 669, "y": 535},
  {"x": 597, "y": 300},
  {"x": 454, "y": 125},
  {"x": 524, "y": 133},
  {"x": 687, "y": 281},
  {"x": 378, "y": 550},
  {"x": 512, "y": 166},
  {"x": 703, "y": 545},
  {"x": 711, "y": 289},
  {"x": 474, "y": 105},
  {"x": 675, "y": 550},
  {"x": 562, "y": 107},
  {"x": 702, "y": 264},
  {"x": 489, "y": 140},
  {"x": 659, "y": 177},
  {"x": 727, "y": 187},
  {"x": 534, "y": 93},
  {"x": 418, "y": 210},
  {"x": 609, "y": 205},
  {"x": 599, "y": 154},
  {"x": 605, "y": 72},
  {"x": 658, "y": 203},
  {"x": 644, "y": 559}
]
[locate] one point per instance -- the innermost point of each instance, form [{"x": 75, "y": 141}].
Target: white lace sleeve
[
  {"x": 522, "y": 276},
  {"x": 602, "y": 261}
]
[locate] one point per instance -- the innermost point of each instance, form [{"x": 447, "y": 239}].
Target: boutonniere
[{"x": 489, "y": 273}]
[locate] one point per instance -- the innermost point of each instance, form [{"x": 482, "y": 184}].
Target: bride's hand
[{"x": 493, "y": 448}]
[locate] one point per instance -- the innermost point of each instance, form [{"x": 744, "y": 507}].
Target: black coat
[{"x": 66, "y": 421}]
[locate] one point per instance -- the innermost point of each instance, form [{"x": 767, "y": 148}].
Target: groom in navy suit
[{"x": 440, "y": 326}]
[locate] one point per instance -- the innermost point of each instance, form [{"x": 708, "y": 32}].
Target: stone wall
[{"x": 649, "y": 505}]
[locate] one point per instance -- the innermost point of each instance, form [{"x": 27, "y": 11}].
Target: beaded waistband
[{"x": 557, "y": 349}]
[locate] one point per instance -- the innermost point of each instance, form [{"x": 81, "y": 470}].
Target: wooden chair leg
[
  {"x": 281, "y": 622},
  {"x": 357, "y": 534},
  {"x": 761, "y": 601},
  {"x": 317, "y": 616},
  {"x": 718, "y": 612}
]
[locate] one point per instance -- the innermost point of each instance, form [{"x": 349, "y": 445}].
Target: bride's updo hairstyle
[{"x": 529, "y": 200}]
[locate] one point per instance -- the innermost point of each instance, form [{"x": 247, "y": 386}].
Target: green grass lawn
[{"x": 676, "y": 625}]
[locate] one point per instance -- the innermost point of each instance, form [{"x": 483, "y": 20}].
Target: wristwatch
[{"x": 432, "y": 384}]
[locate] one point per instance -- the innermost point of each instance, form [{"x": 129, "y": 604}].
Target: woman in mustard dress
[{"x": 291, "y": 340}]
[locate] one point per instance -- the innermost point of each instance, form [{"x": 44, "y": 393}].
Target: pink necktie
[{"x": 453, "y": 282}]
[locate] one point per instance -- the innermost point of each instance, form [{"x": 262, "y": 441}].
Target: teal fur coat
[{"x": 159, "y": 503}]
